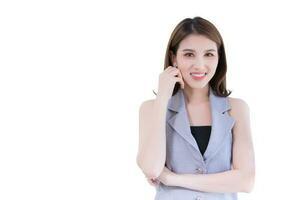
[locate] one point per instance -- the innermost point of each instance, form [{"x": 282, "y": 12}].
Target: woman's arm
[
  {"x": 241, "y": 177},
  {"x": 234, "y": 180},
  {"x": 151, "y": 155}
]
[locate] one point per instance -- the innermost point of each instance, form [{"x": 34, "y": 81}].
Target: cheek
[
  {"x": 213, "y": 69},
  {"x": 213, "y": 62},
  {"x": 212, "y": 65},
  {"x": 212, "y": 72},
  {"x": 185, "y": 60},
  {"x": 185, "y": 73}
]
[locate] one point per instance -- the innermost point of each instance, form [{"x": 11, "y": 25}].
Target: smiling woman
[
  {"x": 192, "y": 93},
  {"x": 196, "y": 62}
]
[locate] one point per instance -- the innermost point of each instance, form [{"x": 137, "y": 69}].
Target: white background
[{"x": 74, "y": 73}]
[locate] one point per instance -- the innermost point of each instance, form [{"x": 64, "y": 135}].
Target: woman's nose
[{"x": 198, "y": 64}]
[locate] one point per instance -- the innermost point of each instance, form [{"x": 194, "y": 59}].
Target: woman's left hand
[{"x": 167, "y": 177}]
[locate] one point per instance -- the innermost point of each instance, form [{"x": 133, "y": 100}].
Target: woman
[{"x": 195, "y": 141}]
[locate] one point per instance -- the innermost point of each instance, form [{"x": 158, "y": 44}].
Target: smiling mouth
[{"x": 198, "y": 74}]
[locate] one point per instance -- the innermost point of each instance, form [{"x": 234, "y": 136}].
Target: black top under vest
[{"x": 201, "y": 135}]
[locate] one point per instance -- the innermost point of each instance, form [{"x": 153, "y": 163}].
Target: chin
[{"x": 198, "y": 86}]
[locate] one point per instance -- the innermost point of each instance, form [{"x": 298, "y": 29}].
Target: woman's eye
[
  {"x": 188, "y": 54},
  {"x": 210, "y": 54}
]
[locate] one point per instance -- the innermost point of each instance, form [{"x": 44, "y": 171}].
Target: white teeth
[{"x": 198, "y": 75}]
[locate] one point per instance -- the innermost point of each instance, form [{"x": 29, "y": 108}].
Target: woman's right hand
[{"x": 167, "y": 80}]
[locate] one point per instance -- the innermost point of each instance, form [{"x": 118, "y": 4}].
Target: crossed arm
[{"x": 240, "y": 178}]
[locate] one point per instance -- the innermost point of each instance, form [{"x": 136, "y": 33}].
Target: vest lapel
[{"x": 221, "y": 122}]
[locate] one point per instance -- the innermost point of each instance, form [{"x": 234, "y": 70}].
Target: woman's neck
[{"x": 196, "y": 96}]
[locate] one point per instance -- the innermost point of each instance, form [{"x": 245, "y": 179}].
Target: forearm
[{"x": 223, "y": 182}]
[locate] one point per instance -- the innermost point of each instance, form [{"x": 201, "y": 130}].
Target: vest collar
[
  {"x": 222, "y": 123},
  {"x": 177, "y": 102}
]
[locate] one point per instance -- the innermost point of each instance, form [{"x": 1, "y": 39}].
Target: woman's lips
[{"x": 198, "y": 76}]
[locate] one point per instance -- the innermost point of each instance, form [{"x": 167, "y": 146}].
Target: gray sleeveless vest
[{"x": 182, "y": 152}]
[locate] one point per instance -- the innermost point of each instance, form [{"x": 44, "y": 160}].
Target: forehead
[{"x": 197, "y": 42}]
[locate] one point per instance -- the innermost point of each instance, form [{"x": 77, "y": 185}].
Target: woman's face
[{"x": 196, "y": 53}]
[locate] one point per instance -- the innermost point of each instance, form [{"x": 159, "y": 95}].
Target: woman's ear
[{"x": 173, "y": 58}]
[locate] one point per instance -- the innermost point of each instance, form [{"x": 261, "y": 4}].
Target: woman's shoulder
[
  {"x": 146, "y": 105},
  {"x": 237, "y": 102},
  {"x": 239, "y": 107},
  {"x": 147, "y": 102}
]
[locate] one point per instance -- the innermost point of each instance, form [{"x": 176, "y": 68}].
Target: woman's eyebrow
[{"x": 194, "y": 50}]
